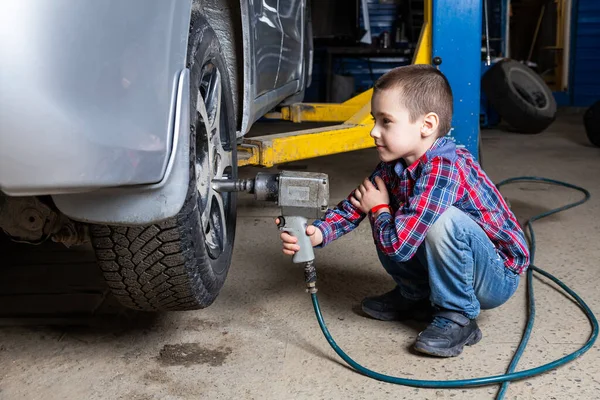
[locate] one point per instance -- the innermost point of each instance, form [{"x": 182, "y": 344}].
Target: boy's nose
[{"x": 374, "y": 133}]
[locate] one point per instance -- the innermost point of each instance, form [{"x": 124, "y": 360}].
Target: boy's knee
[{"x": 444, "y": 228}]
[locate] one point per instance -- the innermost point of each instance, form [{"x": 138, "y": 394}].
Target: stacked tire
[
  {"x": 591, "y": 121},
  {"x": 519, "y": 96}
]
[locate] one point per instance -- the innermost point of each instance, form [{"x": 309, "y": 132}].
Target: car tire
[
  {"x": 520, "y": 96},
  {"x": 181, "y": 263}
]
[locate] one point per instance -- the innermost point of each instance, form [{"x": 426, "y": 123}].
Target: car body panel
[
  {"x": 266, "y": 43},
  {"x": 292, "y": 15},
  {"x": 149, "y": 203},
  {"x": 88, "y": 92},
  {"x": 273, "y": 51}
]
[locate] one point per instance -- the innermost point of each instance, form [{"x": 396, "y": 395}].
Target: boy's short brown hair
[{"x": 423, "y": 89}]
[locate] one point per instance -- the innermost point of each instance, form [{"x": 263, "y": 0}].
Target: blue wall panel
[
  {"x": 585, "y": 73},
  {"x": 381, "y": 17}
]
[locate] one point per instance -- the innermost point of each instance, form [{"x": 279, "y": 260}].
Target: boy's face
[{"x": 395, "y": 136}]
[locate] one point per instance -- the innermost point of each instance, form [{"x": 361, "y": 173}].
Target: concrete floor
[{"x": 260, "y": 338}]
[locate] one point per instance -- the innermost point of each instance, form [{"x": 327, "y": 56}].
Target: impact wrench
[{"x": 303, "y": 195}]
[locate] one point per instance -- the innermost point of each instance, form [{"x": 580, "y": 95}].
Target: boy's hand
[
  {"x": 289, "y": 242},
  {"x": 367, "y": 196}
]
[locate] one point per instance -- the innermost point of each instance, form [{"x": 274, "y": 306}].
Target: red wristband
[{"x": 379, "y": 207}]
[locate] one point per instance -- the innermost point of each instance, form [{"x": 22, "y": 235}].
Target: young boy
[{"x": 442, "y": 229}]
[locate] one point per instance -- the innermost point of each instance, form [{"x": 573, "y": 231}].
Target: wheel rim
[{"x": 213, "y": 159}]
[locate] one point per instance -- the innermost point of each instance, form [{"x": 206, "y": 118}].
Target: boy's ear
[{"x": 431, "y": 122}]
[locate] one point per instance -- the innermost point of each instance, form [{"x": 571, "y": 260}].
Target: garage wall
[{"x": 367, "y": 68}]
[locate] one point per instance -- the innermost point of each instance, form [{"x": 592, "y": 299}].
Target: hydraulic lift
[{"x": 450, "y": 39}]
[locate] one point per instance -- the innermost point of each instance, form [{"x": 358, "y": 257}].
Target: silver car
[{"x": 118, "y": 114}]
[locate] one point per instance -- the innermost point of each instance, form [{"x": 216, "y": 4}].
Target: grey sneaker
[
  {"x": 392, "y": 306},
  {"x": 448, "y": 334}
]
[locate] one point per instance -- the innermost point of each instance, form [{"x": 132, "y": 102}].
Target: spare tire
[
  {"x": 591, "y": 121},
  {"x": 520, "y": 96}
]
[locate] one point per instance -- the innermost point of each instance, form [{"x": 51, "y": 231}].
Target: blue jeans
[{"x": 457, "y": 267}]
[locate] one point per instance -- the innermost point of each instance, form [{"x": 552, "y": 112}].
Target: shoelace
[{"x": 441, "y": 322}]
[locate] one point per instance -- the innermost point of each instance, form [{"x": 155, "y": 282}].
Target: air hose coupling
[{"x": 310, "y": 277}]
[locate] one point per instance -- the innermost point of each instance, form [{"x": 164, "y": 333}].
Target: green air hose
[{"x": 510, "y": 374}]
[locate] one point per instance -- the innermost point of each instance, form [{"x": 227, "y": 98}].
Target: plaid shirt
[{"x": 444, "y": 176}]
